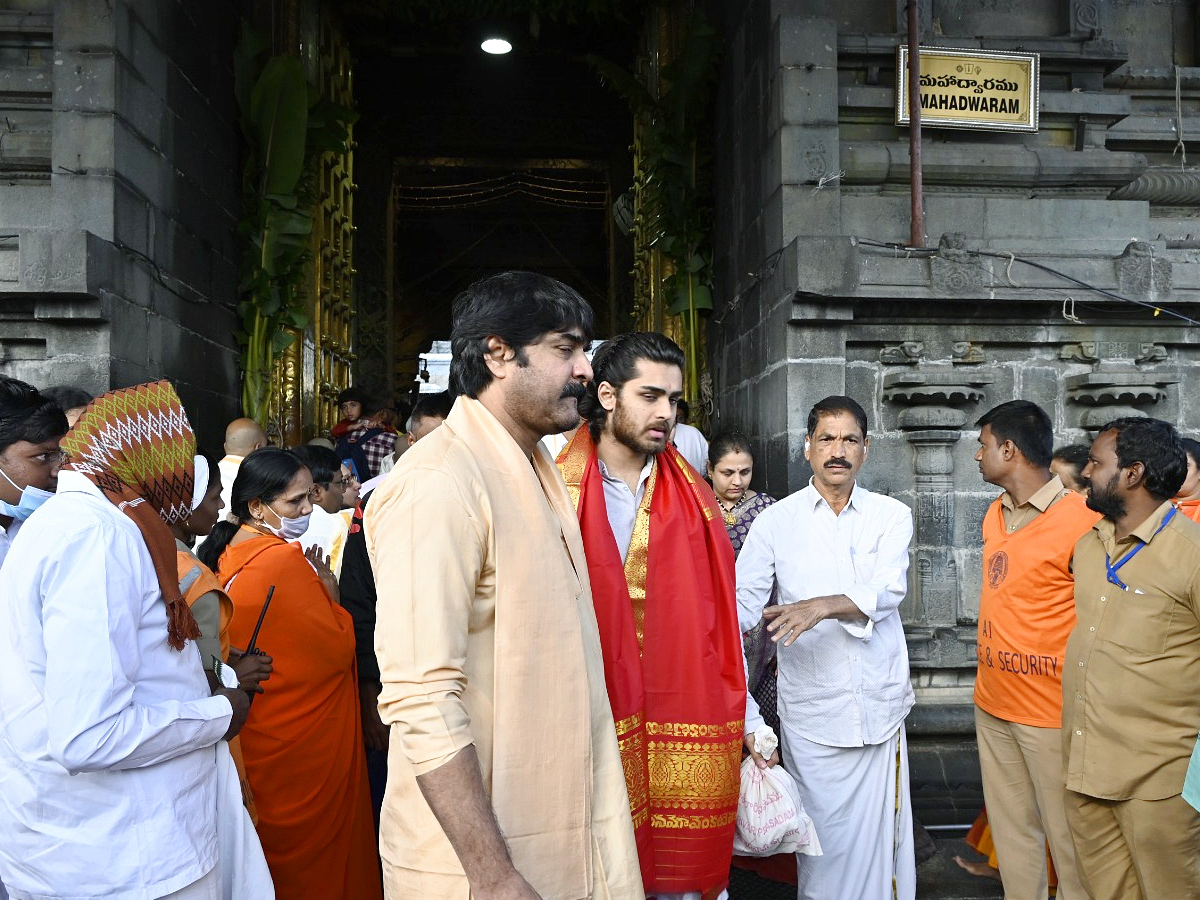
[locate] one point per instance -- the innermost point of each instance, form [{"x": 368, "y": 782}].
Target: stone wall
[
  {"x": 816, "y": 296},
  {"x": 117, "y": 246}
]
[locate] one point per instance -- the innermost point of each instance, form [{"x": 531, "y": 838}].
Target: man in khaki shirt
[
  {"x": 1131, "y": 702},
  {"x": 504, "y": 775}
]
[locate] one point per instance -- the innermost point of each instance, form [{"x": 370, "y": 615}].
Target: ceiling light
[{"x": 496, "y": 46}]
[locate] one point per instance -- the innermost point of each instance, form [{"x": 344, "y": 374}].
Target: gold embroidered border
[
  {"x": 631, "y": 742},
  {"x": 690, "y": 775},
  {"x": 629, "y": 723},
  {"x": 572, "y": 462},
  {"x": 720, "y": 820},
  {"x": 705, "y": 505},
  {"x": 635, "y": 561},
  {"x": 694, "y": 730}
]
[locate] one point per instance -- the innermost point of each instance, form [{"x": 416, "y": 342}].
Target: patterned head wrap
[{"x": 137, "y": 446}]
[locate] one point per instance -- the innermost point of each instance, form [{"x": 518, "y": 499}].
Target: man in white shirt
[
  {"x": 690, "y": 442},
  {"x": 31, "y": 426},
  {"x": 839, "y": 555},
  {"x": 108, "y": 766},
  {"x": 242, "y": 437},
  {"x": 328, "y": 525}
]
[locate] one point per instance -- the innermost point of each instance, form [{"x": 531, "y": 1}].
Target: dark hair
[
  {"x": 27, "y": 415},
  {"x": 1026, "y": 425},
  {"x": 432, "y": 406},
  {"x": 1192, "y": 448},
  {"x": 728, "y": 442},
  {"x": 68, "y": 396},
  {"x": 263, "y": 475},
  {"x": 834, "y": 406},
  {"x": 321, "y": 461},
  {"x": 1156, "y": 445},
  {"x": 351, "y": 395},
  {"x": 518, "y": 308},
  {"x": 616, "y": 361},
  {"x": 1073, "y": 455}
]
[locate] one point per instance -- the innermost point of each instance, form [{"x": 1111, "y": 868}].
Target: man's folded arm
[
  {"x": 428, "y": 550},
  {"x": 91, "y": 615},
  {"x": 882, "y": 589},
  {"x": 755, "y": 575}
]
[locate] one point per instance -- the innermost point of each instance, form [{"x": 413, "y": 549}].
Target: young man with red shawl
[
  {"x": 662, "y": 577},
  {"x": 109, "y": 781}
]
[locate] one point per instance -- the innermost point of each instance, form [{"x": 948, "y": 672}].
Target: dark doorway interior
[{"x": 493, "y": 163}]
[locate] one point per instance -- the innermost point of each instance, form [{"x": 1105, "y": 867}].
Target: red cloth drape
[{"x": 673, "y": 665}]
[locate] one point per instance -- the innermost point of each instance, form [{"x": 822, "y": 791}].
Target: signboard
[{"x": 988, "y": 91}]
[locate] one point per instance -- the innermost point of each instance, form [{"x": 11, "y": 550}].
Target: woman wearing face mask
[{"x": 302, "y": 743}]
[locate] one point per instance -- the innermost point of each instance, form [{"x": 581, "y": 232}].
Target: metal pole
[{"x": 917, "y": 185}]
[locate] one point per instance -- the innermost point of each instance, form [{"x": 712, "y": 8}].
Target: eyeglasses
[{"x": 344, "y": 482}]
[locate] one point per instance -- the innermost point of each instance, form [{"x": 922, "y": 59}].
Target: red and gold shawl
[
  {"x": 136, "y": 445},
  {"x": 673, "y": 665}
]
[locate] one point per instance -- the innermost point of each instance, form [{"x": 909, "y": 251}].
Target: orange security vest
[
  {"x": 1027, "y": 611},
  {"x": 1190, "y": 508}
]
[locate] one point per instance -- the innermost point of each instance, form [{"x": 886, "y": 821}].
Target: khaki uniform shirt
[
  {"x": 1017, "y": 517},
  {"x": 1131, "y": 689}
]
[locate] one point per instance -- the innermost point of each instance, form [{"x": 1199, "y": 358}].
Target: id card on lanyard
[{"x": 1112, "y": 567}]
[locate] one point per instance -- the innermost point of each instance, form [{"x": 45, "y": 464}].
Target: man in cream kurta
[{"x": 504, "y": 773}]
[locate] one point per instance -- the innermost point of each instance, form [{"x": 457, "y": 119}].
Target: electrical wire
[{"x": 1010, "y": 257}]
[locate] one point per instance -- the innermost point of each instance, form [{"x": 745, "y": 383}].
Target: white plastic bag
[{"x": 771, "y": 817}]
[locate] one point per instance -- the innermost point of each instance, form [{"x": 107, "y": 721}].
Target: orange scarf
[
  {"x": 673, "y": 665},
  {"x": 136, "y": 445}
]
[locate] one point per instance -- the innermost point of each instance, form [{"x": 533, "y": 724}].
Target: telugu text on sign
[{"x": 972, "y": 89}]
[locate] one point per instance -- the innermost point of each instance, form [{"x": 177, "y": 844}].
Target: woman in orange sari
[{"x": 303, "y": 741}]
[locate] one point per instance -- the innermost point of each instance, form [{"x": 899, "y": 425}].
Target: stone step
[{"x": 939, "y": 878}]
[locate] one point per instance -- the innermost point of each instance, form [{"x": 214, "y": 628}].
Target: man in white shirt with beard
[{"x": 839, "y": 554}]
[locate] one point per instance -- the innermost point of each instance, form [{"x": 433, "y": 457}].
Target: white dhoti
[
  {"x": 858, "y": 798},
  {"x": 241, "y": 872}
]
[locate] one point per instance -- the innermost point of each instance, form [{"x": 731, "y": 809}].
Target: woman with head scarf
[
  {"x": 303, "y": 746},
  {"x": 109, "y": 776}
]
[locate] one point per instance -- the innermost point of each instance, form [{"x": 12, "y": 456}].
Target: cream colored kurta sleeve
[{"x": 428, "y": 552}]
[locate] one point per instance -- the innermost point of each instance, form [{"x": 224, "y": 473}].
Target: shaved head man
[{"x": 243, "y": 437}]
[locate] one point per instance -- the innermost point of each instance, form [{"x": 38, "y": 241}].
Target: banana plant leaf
[{"x": 279, "y": 110}]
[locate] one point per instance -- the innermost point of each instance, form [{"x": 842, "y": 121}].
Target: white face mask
[
  {"x": 31, "y": 498},
  {"x": 289, "y": 529}
]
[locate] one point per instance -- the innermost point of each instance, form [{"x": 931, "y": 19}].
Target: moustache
[
  {"x": 837, "y": 463},
  {"x": 574, "y": 389}
]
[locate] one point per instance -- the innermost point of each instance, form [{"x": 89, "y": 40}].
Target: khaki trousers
[
  {"x": 1136, "y": 849},
  {"x": 1024, "y": 793}
]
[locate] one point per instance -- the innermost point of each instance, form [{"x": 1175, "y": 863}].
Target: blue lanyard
[{"x": 1112, "y": 568}]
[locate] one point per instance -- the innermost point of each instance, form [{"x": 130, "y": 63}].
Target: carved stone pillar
[
  {"x": 1117, "y": 385},
  {"x": 934, "y": 405}
]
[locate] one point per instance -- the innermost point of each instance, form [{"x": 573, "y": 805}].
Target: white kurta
[
  {"x": 328, "y": 531},
  {"x": 6, "y": 538},
  {"x": 844, "y": 689},
  {"x": 692, "y": 445},
  {"x": 107, "y": 762}
]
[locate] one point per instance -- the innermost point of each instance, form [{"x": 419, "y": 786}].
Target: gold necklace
[{"x": 729, "y": 515}]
